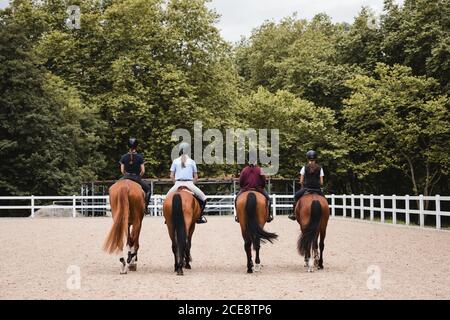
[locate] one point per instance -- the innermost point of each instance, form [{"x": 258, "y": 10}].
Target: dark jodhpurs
[
  {"x": 302, "y": 191},
  {"x": 263, "y": 191}
]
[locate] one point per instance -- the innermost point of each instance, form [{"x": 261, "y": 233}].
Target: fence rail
[{"x": 351, "y": 206}]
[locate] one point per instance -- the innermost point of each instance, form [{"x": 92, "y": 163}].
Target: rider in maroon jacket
[{"x": 252, "y": 178}]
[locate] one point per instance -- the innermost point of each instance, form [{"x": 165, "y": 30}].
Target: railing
[{"x": 352, "y": 206}]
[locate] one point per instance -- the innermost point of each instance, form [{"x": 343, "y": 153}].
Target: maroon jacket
[{"x": 251, "y": 177}]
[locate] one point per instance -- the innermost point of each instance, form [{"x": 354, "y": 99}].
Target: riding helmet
[
  {"x": 183, "y": 148},
  {"x": 311, "y": 155},
  {"x": 132, "y": 143}
]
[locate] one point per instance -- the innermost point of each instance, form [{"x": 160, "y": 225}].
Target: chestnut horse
[
  {"x": 252, "y": 213},
  {"x": 181, "y": 210},
  {"x": 312, "y": 213},
  {"x": 127, "y": 207}
]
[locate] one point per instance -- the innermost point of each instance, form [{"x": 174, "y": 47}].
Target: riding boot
[
  {"x": 269, "y": 207},
  {"x": 292, "y": 215},
  {"x": 147, "y": 202},
  {"x": 202, "y": 218}
]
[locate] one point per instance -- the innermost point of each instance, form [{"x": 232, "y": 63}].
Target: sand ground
[{"x": 37, "y": 254}]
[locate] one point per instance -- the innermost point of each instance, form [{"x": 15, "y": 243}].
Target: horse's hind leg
[
  {"x": 315, "y": 251},
  {"x": 188, "y": 257},
  {"x": 257, "y": 246},
  {"x": 248, "y": 251},
  {"x": 174, "y": 250},
  {"x": 134, "y": 246},
  {"x": 321, "y": 246}
]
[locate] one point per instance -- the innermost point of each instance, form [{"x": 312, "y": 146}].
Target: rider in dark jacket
[
  {"x": 132, "y": 166},
  {"x": 311, "y": 179}
]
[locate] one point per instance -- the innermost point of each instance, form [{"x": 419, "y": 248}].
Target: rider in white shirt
[{"x": 183, "y": 172}]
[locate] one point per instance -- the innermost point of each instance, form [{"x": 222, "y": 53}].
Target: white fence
[{"x": 367, "y": 207}]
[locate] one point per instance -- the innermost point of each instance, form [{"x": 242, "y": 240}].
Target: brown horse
[
  {"x": 252, "y": 213},
  {"x": 181, "y": 210},
  {"x": 312, "y": 214},
  {"x": 127, "y": 206}
]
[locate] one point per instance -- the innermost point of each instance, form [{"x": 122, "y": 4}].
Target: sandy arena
[{"x": 36, "y": 255}]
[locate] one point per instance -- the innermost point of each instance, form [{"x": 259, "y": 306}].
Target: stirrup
[
  {"x": 292, "y": 217},
  {"x": 202, "y": 219},
  {"x": 269, "y": 218},
  {"x": 236, "y": 219}
]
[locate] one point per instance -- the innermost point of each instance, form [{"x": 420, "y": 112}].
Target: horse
[
  {"x": 312, "y": 213},
  {"x": 181, "y": 210},
  {"x": 252, "y": 213},
  {"x": 127, "y": 201}
]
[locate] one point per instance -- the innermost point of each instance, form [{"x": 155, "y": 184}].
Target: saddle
[
  {"x": 313, "y": 191},
  {"x": 186, "y": 189}
]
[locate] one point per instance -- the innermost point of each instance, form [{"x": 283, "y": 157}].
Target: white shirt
[
  {"x": 302, "y": 171},
  {"x": 186, "y": 173}
]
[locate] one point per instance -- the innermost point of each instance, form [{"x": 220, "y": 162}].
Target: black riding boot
[
  {"x": 269, "y": 205},
  {"x": 292, "y": 215},
  {"x": 147, "y": 202},
  {"x": 202, "y": 218}
]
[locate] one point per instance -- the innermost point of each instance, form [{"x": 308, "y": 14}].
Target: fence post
[
  {"x": 382, "y": 207},
  {"x": 361, "y": 204},
  {"x": 394, "y": 209},
  {"x": 155, "y": 206},
  {"x": 421, "y": 214},
  {"x": 333, "y": 209},
  {"x": 407, "y": 209},
  {"x": 274, "y": 205},
  {"x": 344, "y": 205},
  {"x": 32, "y": 206},
  {"x": 74, "y": 203},
  {"x": 352, "y": 203},
  {"x": 438, "y": 211},
  {"x": 371, "y": 207}
]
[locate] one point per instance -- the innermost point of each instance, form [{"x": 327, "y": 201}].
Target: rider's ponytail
[
  {"x": 312, "y": 167},
  {"x": 183, "y": 160}
]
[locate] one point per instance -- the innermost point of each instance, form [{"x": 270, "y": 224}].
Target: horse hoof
[
  {"x": 188, "y": 266},
  {"x": 179, "y": 272},
  {"x": 257, "y": 267},
  {"x": 249, "y": 271}
]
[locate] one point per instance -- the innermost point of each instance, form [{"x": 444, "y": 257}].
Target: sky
[{"x": 240, "y": 17}]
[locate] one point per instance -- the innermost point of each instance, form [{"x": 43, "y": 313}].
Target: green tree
[
  {"x": 399, "y": 121},
  {"x": 48, "y": 139}
]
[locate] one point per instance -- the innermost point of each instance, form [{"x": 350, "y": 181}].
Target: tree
[
  {"x": 397, "y": 120},
  {"x": 48, "y": 139},
  {"x": 302, "y": 126}
]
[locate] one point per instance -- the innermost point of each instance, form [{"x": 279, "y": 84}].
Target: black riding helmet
[
  {"x": 311, "y": 155},
  {"x": 132, "y": 143}
]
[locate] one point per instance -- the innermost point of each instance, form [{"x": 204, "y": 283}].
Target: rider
[
  {"x": 132, "y": 167},
  {"x": 311, "y": 179},
  {"x": 183, "y": 172},
  {"x": 252, "y": 178}
]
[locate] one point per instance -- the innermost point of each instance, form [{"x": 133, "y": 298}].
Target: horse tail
[
  {"x": 115, "y": 240},
  {"x": 178, "y": 223},
  {"x": 308, "y": 235},
  {"x": 254, "y": 230}
]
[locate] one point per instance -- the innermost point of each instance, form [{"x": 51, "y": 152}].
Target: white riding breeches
[{"x": 191, "y": 186}]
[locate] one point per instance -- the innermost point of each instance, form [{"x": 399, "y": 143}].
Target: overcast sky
[{"x": 239, "y": 17}]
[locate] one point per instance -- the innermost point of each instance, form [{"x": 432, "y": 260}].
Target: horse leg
[
  {"x": 132, "y": 255},
  {"x": 321, "y": 246},
  {"x": 125, "y": 264},
  {"x": 257, "y": 246},
  {"x": 188, "y": 257},
  {"x": 316, "y": 252},
  {"x": 248, "y": 251},
  {"x": 174, "y": 250}
]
